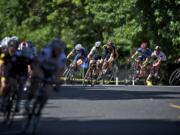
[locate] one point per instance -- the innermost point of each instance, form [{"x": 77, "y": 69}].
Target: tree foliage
[{"x": 126, "y": 22}]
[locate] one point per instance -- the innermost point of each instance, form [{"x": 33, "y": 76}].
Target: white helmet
[
  {"x": 78, "y": 46},
  {"x": 97, "y": 44},
  {"x": 14, "y": 38},
  {"x": 4, "y": 42}
]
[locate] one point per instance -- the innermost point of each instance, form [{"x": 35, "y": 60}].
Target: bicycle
[
  {"x": 175, "y": 77},
  {"x": 34, "y": 113},
  {"x": 91, "y": 74},
  {"x": 72, "y": 73},
  {"x": 10, "y": 98},
  {"x": 109, "y": 75},
  {"x": 137, "y": 73},
  {"x": 133, "y": 70}
]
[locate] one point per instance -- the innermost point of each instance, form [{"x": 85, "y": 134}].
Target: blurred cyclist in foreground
[{"x": 46, "y": 69}]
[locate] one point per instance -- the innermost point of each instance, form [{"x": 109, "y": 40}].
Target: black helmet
[{"x": 13, "y": 43}]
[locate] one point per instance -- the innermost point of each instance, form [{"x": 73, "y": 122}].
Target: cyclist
[
  {"x": 46, "y": 69},
  {"x": 3, "y": 50},
  {"x": 95, "y": 56},
  {"x": 80, "y": 55},
  {"x": 9, "y": 71},
  {"x": 141, "y": 57},
  {"x": 109, "y": 56},
  {"x": 158, "y": 58},
  {"x": 2, "y": 79},
  {"x": 17, "y": 64}
]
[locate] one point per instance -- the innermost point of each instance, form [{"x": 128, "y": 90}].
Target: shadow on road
[
  {"x": 111, "y": 94},
  {"x": 53, "y": 126}
]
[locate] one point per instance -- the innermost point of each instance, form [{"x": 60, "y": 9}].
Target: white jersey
[{"x": 161, "y": 56}]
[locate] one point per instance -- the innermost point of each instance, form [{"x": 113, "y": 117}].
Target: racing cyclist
[
  {"x": 95, "y": 56},
  {"x": 109, "y": 56},
  {"x": 159, "y": 57},
  {"x": 141, "y": 57},
  {"x": 80, "y": 56}
]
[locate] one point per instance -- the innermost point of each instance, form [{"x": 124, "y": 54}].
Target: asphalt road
[{"x": 108, "y": 110}]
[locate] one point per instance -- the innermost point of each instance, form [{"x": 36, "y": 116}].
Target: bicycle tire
[
  {"x": 10, "y": 109},
  {"x": 70, "y": 75},
  {"x": 175, "y": 77}
]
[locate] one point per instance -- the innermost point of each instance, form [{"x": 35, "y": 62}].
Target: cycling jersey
[
  {"x": 16, "y": 65},
  {"x": 160, "y": 56},
  {"x": 47, "y": 53},
  {"x": 109, "y": 51},
  {"x": 143, "y": 53},
  {"x": 97, "y": 53},
  {"x": 49, "y": 64},
  {"x": 79, "y": 54}
]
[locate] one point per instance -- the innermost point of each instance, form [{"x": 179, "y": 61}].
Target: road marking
[{"x": 174, "y": 106}]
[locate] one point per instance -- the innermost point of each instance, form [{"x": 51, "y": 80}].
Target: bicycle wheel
[
  {"x": 175, "y": 77},
  {"x": 107, "y": 77},
  {"x": 31, "y": 123},
  {"x": 9, "y": 112},
  {"x": 69, "y": 75}
]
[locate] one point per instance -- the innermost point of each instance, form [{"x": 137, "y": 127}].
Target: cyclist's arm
[
  {"x": 70, "y": 54},
  {"x": 90, "y": 54},
  {"x": 134, "y": 55},
  {"x": 157, "y": 63},
  {"x": 146, "y": 61}
]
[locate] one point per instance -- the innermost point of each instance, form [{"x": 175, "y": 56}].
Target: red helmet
[{"x": 144, "y": 45}]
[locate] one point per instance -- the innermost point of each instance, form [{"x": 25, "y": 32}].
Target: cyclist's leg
[
  {"x": 89, "y": 69},
  {"x": 16, "y": 85},
  {"x": 37, "y": 74},
  {"x": 43, "y": 100},
  {"x": 32, "y": 91},
  {"x": 98, "y": 65},
  {"x": 104, "y": 66},
  {"x": 110, "y": 62},
  {"x": 76, "y": 58},
  {"x": 5, "y": 93},
  {"x": 150, "y": 76}
]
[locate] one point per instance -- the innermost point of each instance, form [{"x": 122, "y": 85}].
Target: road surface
[{"x": 108, "y": 110}]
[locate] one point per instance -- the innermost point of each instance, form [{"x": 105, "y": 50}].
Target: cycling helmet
[
  {"x": 4, "y": 42},
  {"x": 14, "y": 38},
  {"x": 97, "y": 44},
  {"x": 109, "y": 43},
  {"x": 157, "y": 47},
  {"x": 57, "y": 44},
  {"x": 78, "y": 46},
  {"x": 144, "y": 45},
  {"x": 13, "y": 43}
]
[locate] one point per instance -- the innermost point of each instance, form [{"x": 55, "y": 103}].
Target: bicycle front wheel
[{"x": 175, "y": 77}]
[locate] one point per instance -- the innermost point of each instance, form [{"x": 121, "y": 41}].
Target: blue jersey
[
  {"x": 143, "y": 53},
  {"x": 47, "y": 53},
  {"x": 81, "y": 52},
  {"x": 49, "y": 65}
]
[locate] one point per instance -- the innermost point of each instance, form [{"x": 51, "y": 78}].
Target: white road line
[{"x": 174, "y": 106}]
